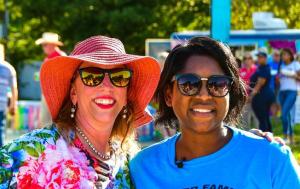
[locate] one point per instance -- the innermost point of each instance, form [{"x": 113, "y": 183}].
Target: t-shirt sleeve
[
  {"x": 13, "y": 77},
  {"x": 287, "y": 172}
]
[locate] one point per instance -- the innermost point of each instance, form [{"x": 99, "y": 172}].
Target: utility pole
[
  {"x": 5, "y": 27},
  {"x": 220, "y": 20}
]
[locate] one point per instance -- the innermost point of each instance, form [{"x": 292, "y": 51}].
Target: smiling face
[
  {"x": 248, "y": 60},
  {"x": 100, "y": 104},
  {"x": 48, "y": 48},
  {"x": 201, "y": 113},
  {"x": 261, "y": 60},
  {"x": 286, "y": 57}
]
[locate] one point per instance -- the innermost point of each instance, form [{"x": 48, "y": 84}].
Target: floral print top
[{"x": 43, "y": 159}]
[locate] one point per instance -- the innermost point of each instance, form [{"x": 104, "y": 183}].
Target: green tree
[
  {"x": 241, "y": 15},
  {"x": 132, "y": 21}
]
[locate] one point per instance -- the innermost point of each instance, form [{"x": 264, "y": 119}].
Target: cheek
[
  {"x": 82, "y": 92},
  {"x": 82, "y": 97},
  {"x": 122, "y": 95},
  {"x": 180, "y": 103},
  {"x": 223, "y": 104}
]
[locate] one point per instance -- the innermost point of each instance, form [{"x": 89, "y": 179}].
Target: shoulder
[
  {"x": 259, "y": 145},
  {"x": 266, "y": 68},
  {"x": 253, "y": 67},
  {"x": 9, "y": 67},
  {"x": 297, "y": 65},
  {"x": 277, "y": 160},
  {"x": 44, "y": 135},
  {"x": 264, "y": 71},
  {"x": 242, "y": 69},
  {"x": 61, "y": 53},
  {"x": 30, "y": 144},
  {"x": 153, "y": 152}
]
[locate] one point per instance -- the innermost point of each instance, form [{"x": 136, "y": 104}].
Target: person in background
[
  {"x": 163, "y": 130},
  {"x": 289, "y": 74},
  {"x": 8, "y": 83},
  {"x": 161, "y": 58},
  {"x": 201, "y": 93},
  {"x": 246, "y": 71},
  {"x": 274, "y": 65},
  {"x": 51, "y": 47},
  {"x": 262, "y": 97}
]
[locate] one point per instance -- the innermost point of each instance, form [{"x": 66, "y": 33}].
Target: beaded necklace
[{"x": 100, "y": 154}]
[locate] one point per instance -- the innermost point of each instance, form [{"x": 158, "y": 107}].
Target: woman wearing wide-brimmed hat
[{"x": 96, "y": 96}]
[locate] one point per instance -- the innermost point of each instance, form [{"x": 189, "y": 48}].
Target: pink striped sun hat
[{"x": 56, "y": 74}]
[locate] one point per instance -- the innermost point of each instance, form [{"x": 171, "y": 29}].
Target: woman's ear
[
  {"x": 168, "y": 96},
  {"x": 73, "y": 94}
]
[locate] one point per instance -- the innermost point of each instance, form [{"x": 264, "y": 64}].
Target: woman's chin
[{"x": 106, "y": 118}]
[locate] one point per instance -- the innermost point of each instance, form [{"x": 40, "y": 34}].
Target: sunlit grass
[{"x": 277, "y": 128}]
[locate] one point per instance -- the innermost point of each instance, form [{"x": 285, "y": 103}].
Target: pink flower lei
[{"x": 59, "y": 166}]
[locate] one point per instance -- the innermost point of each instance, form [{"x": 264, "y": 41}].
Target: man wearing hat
[{"x": 50, "y": 44}]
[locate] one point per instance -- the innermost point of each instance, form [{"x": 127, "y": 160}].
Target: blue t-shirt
[
  {"x": 262, "y": 71},
  {"x": 247, "y": 161}
]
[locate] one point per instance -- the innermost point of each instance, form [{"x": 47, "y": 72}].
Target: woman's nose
[
  {"x": 106, "y": 81},
  {"x": 203, "y": 92}
]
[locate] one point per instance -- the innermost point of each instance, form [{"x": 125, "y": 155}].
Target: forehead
[
  {"x": 47, "y": 44},
  {"x": 261, "y": 56},
  {"x": 89, "y": 64},
  {"x": 202, "y": 65}
]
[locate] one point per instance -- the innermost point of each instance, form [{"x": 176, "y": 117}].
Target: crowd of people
[
  {"x": 272, "y": 86},
  {"x": 97, "y": 96}
]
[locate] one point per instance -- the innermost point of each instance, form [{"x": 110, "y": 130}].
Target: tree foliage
[
  {"x": 132, "y": 21},
  {"x": 241, "y": 16}
]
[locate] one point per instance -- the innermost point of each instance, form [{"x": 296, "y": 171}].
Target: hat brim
[
  {"x": 44, "y": 41},
  {"x": 56, "y": 75}
]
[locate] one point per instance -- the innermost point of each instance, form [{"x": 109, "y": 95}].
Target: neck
[
  {"x": 248, "y": 67},
  {"x": 193, "y": 145},
  {"x": 97, "y": 134},
  {"x": 287, "y": 62},
  {"x": 52, "y": 50}
]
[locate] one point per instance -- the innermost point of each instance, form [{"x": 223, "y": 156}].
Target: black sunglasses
[
  {"x": 216, "y": 85},
  {"x": 93, "y": 76}
]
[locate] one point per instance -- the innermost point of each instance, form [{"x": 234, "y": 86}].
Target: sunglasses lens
[
  {"x": 188, "y": 84},
  {"x": 219, "y": 86},
  {"x": 120, "y": 78},
  {"x": 91, "y": 76}
]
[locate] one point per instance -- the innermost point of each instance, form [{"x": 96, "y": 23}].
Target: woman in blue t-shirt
[
  {"x": 200, "y": 92},
  {"x": 262, "y": 95}
]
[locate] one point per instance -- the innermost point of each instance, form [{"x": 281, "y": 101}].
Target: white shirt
[{"x": 288, "y": 82}]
